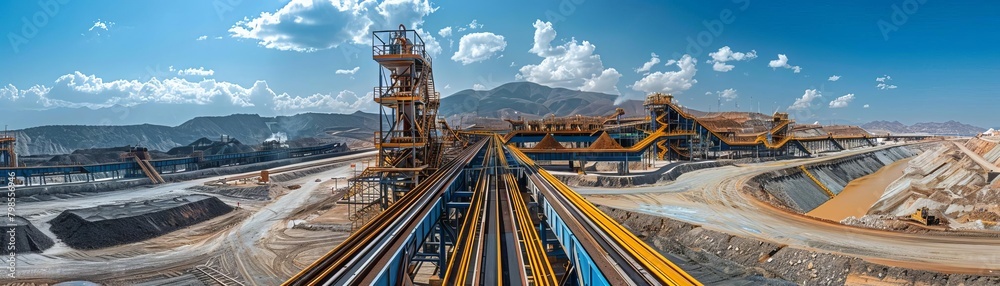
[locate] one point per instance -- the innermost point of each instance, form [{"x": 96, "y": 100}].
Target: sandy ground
[
  {"x": 860, "y": 194},
  {"x": 712, "y": 198},
  {"x": 254, "y": 243}
]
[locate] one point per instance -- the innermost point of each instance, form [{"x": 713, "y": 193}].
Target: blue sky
[{"x": 164, "y": 62}]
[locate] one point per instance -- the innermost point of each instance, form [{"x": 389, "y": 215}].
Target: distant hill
[
  {"x": 251, "y": 129},
  {"x": 938, "y": 128},
  {"x": 528, "y": 99}
]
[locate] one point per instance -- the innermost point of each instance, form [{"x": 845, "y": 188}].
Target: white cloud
[
  {"x": 31, "y": 98},
  {"x": 349, "y": 72},
  {"x": 606, "y": 82},
  {"x": 431, "y": 44},
  {"x": 883, "y": 83},
  {"x": 725, "y": 54},
  {"x": 806, "y": 100},
  {"x": 477, "y": 47},
  {"x": 866, "y": 106},
  {"x": 343, "y": 102},
  {"x": 100, "y": 29},
  {"x": 782, "y": 62},
  {"x": 672, "y": 81},
  {"x": 478, "y": 87},
  {"x": 81, "y": 90},
  {"x": 201, "y": 71},
  {"x": 842, "y": 101},
  {"x": 445, "y": 32},
  {"x": 202, "y": 38},
  {"x": 99, "y": 25},
  {"x": 475, "y": 25},
  {"x": 729, "y": 94},
  {"x": 572, "y": 65},
  {"x": 654, "y": 59},
  {"x": 834, "y": 78},
  {"x": 78, "y": 89},
  {"x": 307, "y": 26},
  {"x": 471, "y": 26}
]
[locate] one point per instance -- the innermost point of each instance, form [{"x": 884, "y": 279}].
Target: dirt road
[{"x": 712, "y": 198}]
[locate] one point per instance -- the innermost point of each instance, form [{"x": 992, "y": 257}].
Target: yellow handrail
[{"x": 816, "y": 181}]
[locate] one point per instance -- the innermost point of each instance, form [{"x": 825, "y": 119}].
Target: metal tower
[{"x": 408, "y": 141}]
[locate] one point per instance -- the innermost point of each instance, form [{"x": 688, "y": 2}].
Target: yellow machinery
[
  {"x": 922, "y": 215},
  {"x": 265, "y": 177}
]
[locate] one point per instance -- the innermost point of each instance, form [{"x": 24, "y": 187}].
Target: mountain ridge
[
  {"x": 516, "y": 99},
  {"x": 950, "y": 127},
  {"x": 249, "y": 128}
]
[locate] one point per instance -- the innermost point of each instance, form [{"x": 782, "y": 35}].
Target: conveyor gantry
[{"x": 492, "y": 217}]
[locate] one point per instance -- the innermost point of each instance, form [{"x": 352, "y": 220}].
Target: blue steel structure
[{"x": 130, "y": 169}]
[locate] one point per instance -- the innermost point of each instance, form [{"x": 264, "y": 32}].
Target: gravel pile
[
  {"x": 26, "y": 237},
  {"x": 109, "y": 225}
]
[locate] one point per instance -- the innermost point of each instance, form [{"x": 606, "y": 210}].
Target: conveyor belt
[
  {"x": 498, "y": 241},
  {"x": 356, "y": 260},
  {"x": 620, "y": 255}
]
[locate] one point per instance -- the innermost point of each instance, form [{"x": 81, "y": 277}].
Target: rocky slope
[{"x": 949, "y": 183}]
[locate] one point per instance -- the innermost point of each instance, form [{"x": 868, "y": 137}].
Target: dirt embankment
[
  {"x": 718, "y": 258},
  {"x": 798, "y": 190}
]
